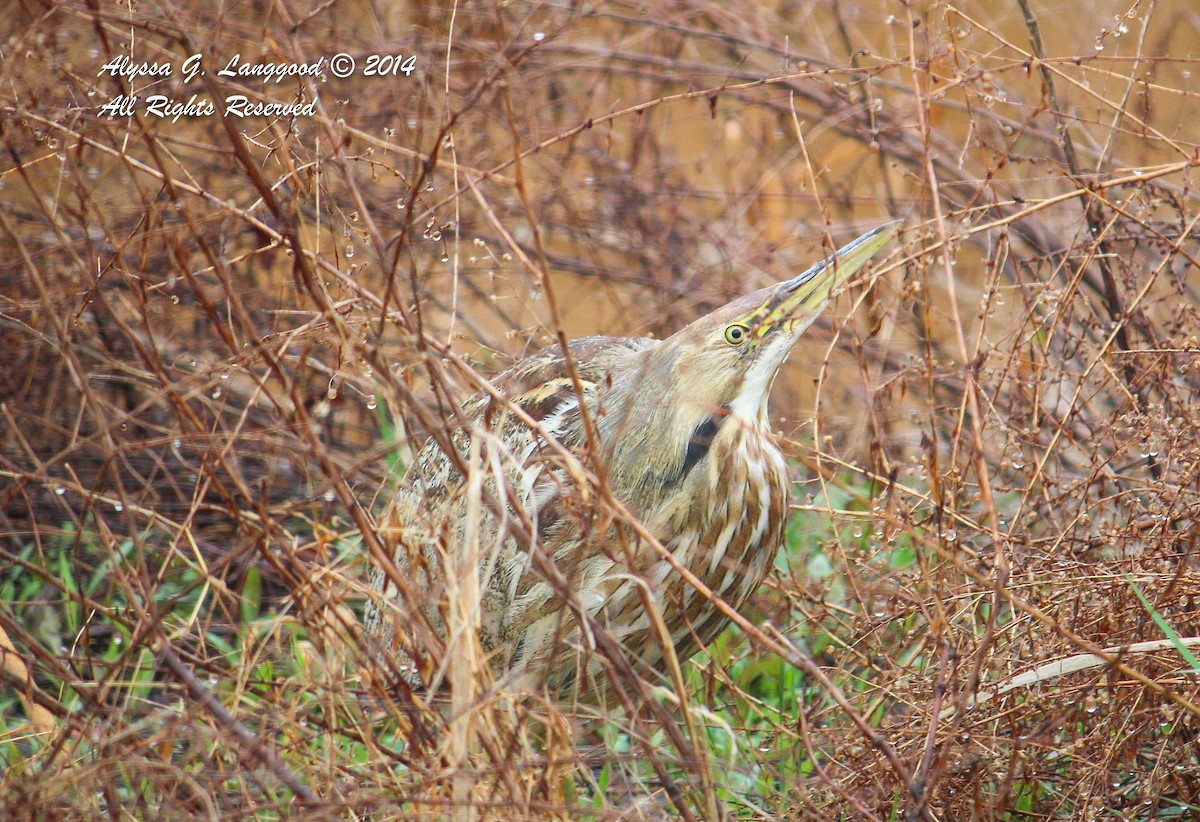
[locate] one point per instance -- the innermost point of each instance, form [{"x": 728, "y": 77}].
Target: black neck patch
[{"x": 702, "y": 439}]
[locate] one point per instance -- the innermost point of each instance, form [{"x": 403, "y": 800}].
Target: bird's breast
[
  {"x": 747, "y": 512},
  {"x": 729, "y": 517}
]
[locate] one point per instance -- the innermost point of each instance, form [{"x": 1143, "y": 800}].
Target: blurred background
[{"x": 222, "y": 337}]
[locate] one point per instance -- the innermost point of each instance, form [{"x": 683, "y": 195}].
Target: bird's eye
[{"x": 736, "y": 333}]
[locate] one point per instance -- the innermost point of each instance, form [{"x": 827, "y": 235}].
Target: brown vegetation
[{"x": 223, "y": 337}]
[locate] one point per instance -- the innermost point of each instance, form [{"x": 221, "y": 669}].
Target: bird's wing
[
  {"x": 543, "y": 387},
  {"x": 429, "y": 509}
]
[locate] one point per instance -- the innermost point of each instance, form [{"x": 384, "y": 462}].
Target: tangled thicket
[{"x": 223, "y": 338}]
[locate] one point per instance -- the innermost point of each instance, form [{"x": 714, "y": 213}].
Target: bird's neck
[
  {"x": 750, "y": 405},
  {"x": 665, "y": 443}
]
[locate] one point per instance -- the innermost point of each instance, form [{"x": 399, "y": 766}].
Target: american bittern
[{"x": 681, "y": 431}]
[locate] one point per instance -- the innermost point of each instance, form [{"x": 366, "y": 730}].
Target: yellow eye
[{"x": 736, "y": 333}]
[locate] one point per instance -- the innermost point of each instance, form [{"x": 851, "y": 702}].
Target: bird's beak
[{"x": 796, "y": 301}]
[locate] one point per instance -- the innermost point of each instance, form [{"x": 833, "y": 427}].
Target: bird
[{"x": 679, "y": 432}]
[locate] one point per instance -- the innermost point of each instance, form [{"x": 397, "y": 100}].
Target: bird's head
[
  {"x": 728, "y": 359},
  {"x": 671, "y": 399}
]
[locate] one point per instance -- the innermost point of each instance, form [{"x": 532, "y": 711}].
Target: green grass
[{"x": 262, "y": 658}]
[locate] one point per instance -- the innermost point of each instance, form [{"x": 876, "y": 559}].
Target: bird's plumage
[{"x": 681, "y": 433}]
